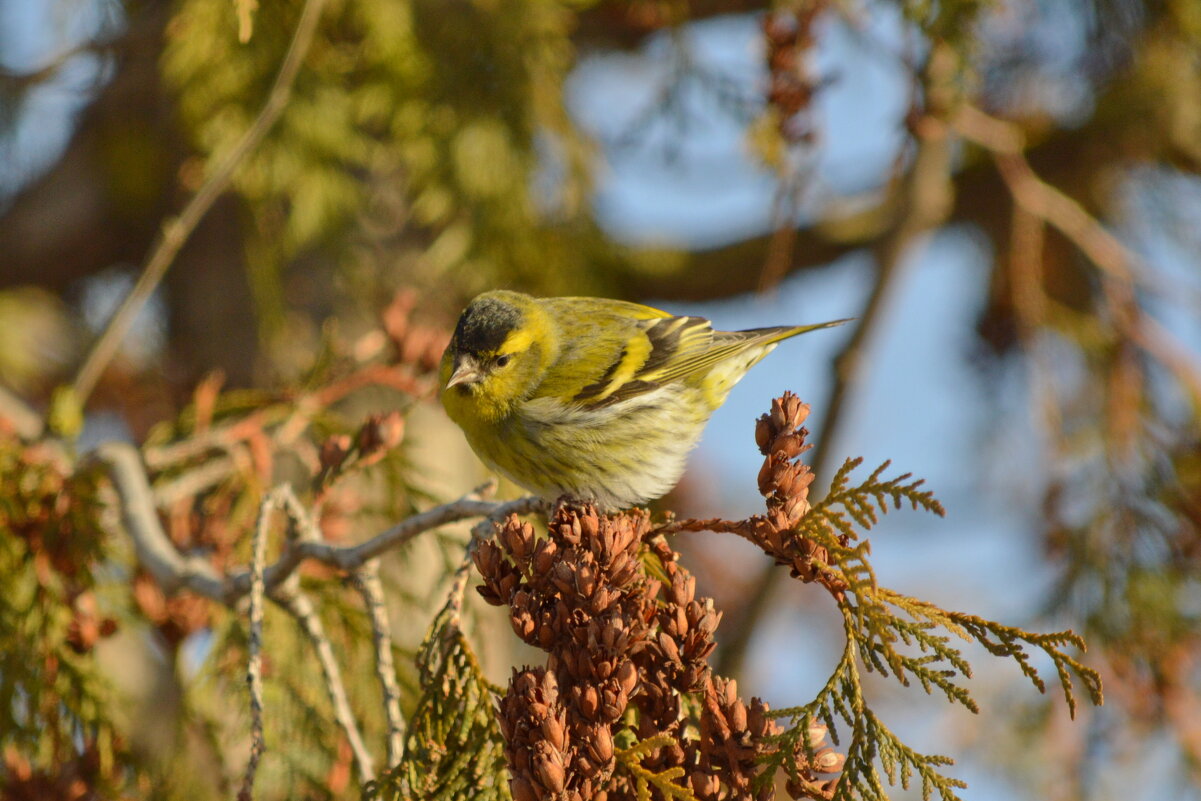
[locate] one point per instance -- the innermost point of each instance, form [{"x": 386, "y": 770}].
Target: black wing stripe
[
  {"x": 629, "y": 389},
  {"x": 724, "y": 345},
  {"x": 665, "y": 336},
  {"x": 592, "y": 390}
]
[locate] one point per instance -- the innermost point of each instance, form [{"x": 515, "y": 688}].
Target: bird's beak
[{"x": 466, "y": 372}]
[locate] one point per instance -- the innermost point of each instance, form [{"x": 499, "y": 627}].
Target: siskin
[{"x": 597, "y": 399}]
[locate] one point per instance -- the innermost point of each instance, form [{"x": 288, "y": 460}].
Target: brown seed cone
[
  {"x": 581, "y": 597},
  {"x": 734, "y": 738},
  {"x": 534, "y": 721},
  {"x": 501, "y": 577},
  {"x": 784, "y": 481},
  {"x": 615, "y": 637}
]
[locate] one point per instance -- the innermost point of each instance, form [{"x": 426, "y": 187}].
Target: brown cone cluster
[
  {"x": 785, "y": 481},
  {"x": 734, "y": 739},
  {"x": 377, "y": 436},
  {"x": 579, "y": 594},
  {"x": 626, "y": 651}
]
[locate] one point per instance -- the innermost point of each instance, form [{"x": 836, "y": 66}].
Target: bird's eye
[{"x": 501, "y": 361}]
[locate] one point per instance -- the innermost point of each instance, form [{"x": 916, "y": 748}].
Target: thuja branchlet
[{"x": 626, "y": 705}]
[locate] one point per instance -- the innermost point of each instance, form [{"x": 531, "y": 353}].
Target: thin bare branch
[
  {"x": 927, "y": 200},
  {"x": 174, "y": 571},
  {"x": 193, "y": 482},
  {"x": 306, "y": 529},
  {"x": 350, "y": 558},
  {"x": 462, "y": 575},
  {"x": 367, "y": 582},
  {"x": 1119, "y": 267},
  {"x": 782, "y": 244},
  {"x": 297, "y": 604},
  {"x": 217, "y": 438},
  {"x": 177, "y": 231},
  {"x": 254, "y": 668},
  {"x": 1030, "y": 310},
  {"x": 171, "y": 570}
]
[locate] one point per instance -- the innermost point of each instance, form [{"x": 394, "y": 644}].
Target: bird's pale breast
[{"x": 617, "y": 456}]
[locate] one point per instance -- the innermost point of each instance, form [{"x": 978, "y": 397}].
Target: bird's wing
[
  {"x": 655, "y": 353},
  {"x": 615, "y": 350},
  {"x": 603, "y": 344},
  {"x": 616, "y": 355}
]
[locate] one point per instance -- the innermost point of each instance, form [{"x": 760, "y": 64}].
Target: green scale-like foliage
[
  {"x": 454, "y": 750},
  {"x": 909, "y": 639},
  {"x": 56, "y": 707},
  {"x": 668, "y": 784}
]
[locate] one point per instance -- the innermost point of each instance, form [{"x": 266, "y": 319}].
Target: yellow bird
[{"x": 597, "y": 399}]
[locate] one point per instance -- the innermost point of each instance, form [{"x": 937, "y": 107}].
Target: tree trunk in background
[{"x": 100, "y": 206}]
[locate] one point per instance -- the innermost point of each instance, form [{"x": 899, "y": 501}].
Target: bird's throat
[{"x": 468, "y": 407}]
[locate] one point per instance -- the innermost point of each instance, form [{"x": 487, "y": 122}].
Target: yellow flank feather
[{"x": 597, "y": 399}]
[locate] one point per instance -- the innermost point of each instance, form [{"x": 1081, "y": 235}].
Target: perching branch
[
  {"x": 171, "y": 570},
  {"x": 177, "y": 231},
  {"x": 462, "y": 575}
]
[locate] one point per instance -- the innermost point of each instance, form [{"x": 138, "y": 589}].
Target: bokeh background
[{"x": 1005, "y": 196}]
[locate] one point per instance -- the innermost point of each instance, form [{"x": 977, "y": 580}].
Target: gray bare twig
[
  {"x": 254, "y": 668},
  {"x": 367, "y": 582},
  {"x": 174, "y": 571},
  {"x": 301, "y": 607},
  {"x": 177, "y": 230}
]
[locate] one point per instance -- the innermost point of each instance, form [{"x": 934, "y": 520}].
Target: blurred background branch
[{"x": 176, "y": 230}]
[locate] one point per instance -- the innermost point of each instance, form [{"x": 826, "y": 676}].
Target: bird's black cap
[{"x": 485, "y": 324}]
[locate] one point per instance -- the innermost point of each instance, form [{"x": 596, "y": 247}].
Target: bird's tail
[{"x": 769, "y": 336}]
